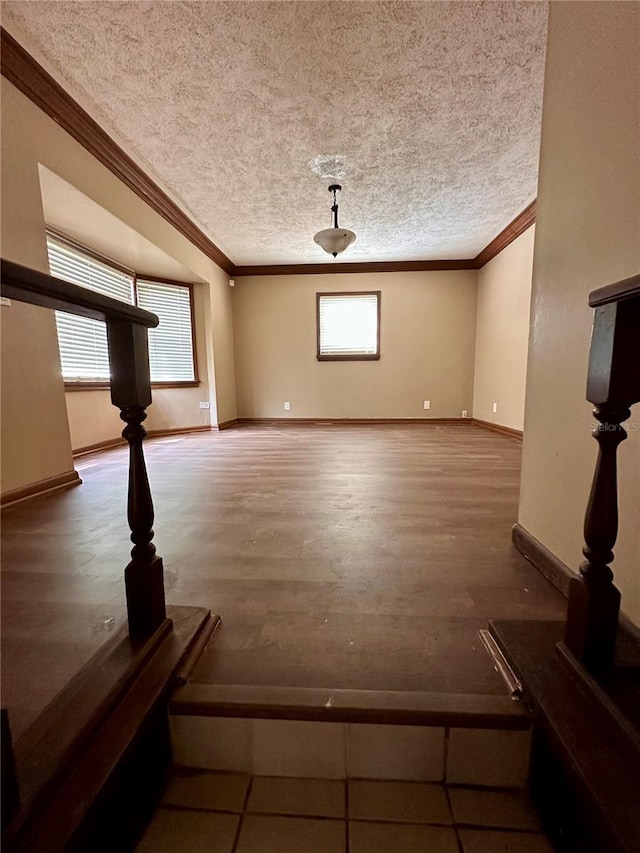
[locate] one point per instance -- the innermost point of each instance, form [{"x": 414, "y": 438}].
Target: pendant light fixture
[{"x": 334, "y": 240}]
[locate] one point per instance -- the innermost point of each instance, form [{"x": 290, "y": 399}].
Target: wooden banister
[
  {"x": 580, "y": 677},
  {"x": 619, "y": 291},
  {"x": 131, "y": 392},
  {"x": 88, "y": 773},
  {"x": 38, "y": 288},
  {"x": 613, "y": 386},
  {"x": 9, "y": 783}
]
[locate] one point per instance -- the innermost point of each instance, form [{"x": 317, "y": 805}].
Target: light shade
[{"x": 334, "y": 240}]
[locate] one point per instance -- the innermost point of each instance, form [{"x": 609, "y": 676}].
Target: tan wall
[
  {"x": 29, "y": 138},
  {"x": 92, "y": 418},
  {"x": 222, "y": 355},
  {"x": 502, "y": 334},
  {"x": 588, "y": 235},
  {"x": 35, "y": 434},
  {"x": 427, "y": 347}
]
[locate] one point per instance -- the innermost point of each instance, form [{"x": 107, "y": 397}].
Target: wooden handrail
[
  {"x": 38, "y": 288},
  {"x": 627, "y": 288},
  {"x": 613, "y": 386}
]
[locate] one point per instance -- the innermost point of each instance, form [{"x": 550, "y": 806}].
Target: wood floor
[{"x": 357, "y": 557}]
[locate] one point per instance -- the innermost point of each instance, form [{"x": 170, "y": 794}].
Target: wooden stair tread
[
  {"x": 66, "y": 758},
  {"x": 591, "y": 741},
  {"x": 352, "y": 706}
]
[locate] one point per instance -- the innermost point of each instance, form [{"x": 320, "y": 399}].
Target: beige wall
[
  {"x": 588, "y": 235},
  {"x": 29, "y": 137},
  {"x": 35, "y": 434},
  {"x": 222, "y": 352},
  {"x": 502, "y": 334},
  {"x": 427, "y": 347}
]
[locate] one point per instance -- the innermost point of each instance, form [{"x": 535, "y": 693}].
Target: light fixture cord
[{"x": 334, "y": 210}]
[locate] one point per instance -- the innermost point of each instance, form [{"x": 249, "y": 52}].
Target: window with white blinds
[
  {"x": 171, "y": 343},
  {"x": 83, "y": 342},
  {"x": 348, "y": 326}
]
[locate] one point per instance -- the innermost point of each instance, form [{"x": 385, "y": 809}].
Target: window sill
[
  {"x": 375, "y": 357},
  {"x": 191, "y": 383},
  {"x": 105, "y": 386}
]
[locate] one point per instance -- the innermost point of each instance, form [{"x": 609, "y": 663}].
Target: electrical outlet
[
  {"x": 495, "y": 408},
  {"x": 427, "y": 404},
  {"x": 205, "y": 404},
  {"x": 4, "y": 300},
  {"x": 287, "y": 406},
  {"x": 465, "y": 414}
]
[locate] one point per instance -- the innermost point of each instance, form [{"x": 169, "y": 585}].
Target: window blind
[
  {"x": 84, "y": 355},
  {"x": 348, "y": 324},
  {"x": 171, "y": 343}
]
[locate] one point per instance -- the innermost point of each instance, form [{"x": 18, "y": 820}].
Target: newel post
[
  {"x": 613, "y": 385},
  {"x": 131, "y": 393},
  {"x": 9, "y": 787}
]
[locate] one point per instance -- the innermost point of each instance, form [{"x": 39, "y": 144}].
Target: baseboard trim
[
  {"x": 225, "y": 424},
  {"x": 41, "y": 487},
  {"x": 161, "y": 433},
  {"x": 503, "y": 430},
  {"x": 348, "y": 421},
  {"x": 152, "y": 433},
  {"x": 554, "y": 570},
  {"x": 557, "y": 572},
  {"x": 99, "y": 445}
]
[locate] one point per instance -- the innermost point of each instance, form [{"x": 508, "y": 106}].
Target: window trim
[
  {"x": 92, "y": 385},
  {"x": 351, "y": 357}
]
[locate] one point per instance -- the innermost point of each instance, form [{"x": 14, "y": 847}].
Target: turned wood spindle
[
  {"x": 601, "y": 519},
  {"x": 613, "y": 386},
  {"x": 140, "y": 504},
  {"x": 594, "y": 602},
  {"x": 131, "y": 393}
]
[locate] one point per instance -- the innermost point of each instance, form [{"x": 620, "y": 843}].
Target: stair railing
[
  {"x": 131, "y": 393},
  {"x": 613, "y": 386}
]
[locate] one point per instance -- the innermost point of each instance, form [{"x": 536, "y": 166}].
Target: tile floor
[
  {"x": 484, "y": 757},
  {"x": 237, "y": 813}
]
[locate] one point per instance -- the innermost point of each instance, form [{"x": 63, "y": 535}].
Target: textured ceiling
[{"x": 430, "y": 111}]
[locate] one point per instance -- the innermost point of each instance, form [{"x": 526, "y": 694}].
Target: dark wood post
[
  {"x": 613, "y": 385},
  {"x": 131, "y": 393},
  {"x": 10, "y": 791},
  {"x": 594, "y": 602}
]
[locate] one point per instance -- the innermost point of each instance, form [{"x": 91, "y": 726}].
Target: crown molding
[
  {"x": 514, "y": 229},
  {"x": 21, "y": 69},
  {"x": 360, "y": 266}
]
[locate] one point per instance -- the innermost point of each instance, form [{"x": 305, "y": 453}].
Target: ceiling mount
[
  {"x": 329, "y": 166},
  {"x": 334, "y": 240}
]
